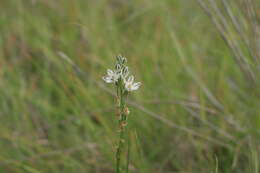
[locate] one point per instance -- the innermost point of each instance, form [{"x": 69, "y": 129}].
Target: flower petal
[
  {"x": 107, "y": 79},
  {"x": 130, "y": 79},
  {"x": 135, "y": 86},
  {"x": 110, "y": 72}
]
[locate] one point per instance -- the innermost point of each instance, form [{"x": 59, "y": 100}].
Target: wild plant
[{"x": 124, "y": 84}]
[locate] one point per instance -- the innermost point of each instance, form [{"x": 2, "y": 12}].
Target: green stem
[
  {"x": 122, "y": 121},
  {"x": 118, "y": 153},
  {"x": 128, "y": 152}
]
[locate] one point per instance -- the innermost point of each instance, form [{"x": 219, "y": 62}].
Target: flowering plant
[{"x": 124, "y": 85}]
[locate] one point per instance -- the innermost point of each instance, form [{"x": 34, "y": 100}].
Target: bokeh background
[{"x": 196, "y": 112}]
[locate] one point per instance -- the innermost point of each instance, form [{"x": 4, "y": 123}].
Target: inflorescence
[{"x": 121, "y": 75}]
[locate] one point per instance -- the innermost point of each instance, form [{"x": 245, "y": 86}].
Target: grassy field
[{"x": 197, "y": 111}]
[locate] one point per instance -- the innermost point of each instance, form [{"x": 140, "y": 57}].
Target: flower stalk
[{"x": 122, "y": 125}]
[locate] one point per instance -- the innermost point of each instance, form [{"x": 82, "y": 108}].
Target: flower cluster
[{"x": 121, "y": 75}]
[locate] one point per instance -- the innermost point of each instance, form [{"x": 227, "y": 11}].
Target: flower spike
[{"x": 121, "y": 73}]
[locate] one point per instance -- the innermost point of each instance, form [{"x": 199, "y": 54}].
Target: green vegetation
[{"x": 198, "y": 110}]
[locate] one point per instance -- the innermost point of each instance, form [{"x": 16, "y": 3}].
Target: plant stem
[
  {"x": 128, "y": 152},
  {"x": 122, "y": 123}
]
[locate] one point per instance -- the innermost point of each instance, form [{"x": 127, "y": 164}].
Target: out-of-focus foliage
[{"x": 197, "y": 110}]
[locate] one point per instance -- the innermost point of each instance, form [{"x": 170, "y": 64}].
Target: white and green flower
[
  {"x": 130, "y": 85},
  {"x": 111, "y": 77}
]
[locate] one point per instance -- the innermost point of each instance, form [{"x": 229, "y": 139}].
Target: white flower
[
  {"x": 130, "y": 85},
  {"x": 111, "y": 76}
]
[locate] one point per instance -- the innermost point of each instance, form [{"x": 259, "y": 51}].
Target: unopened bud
[
  {"x": 126, "y": 111},
  {"x": 125, "y": 71},
  {"x": 117, "y": 67},
  {"x": 123, "y": 60},
  {"x": 118, "y": 58}
]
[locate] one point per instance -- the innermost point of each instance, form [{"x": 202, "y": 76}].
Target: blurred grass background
[{"x": 196, "y": 112}]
